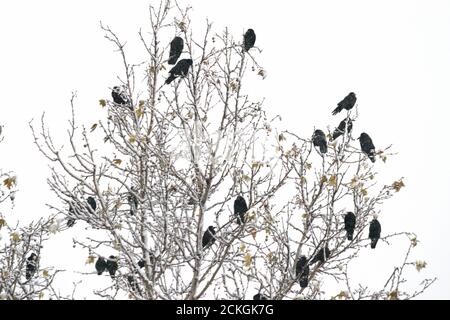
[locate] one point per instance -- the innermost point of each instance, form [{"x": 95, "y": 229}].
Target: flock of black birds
[
  {"x": 319, "y": 139},
  {"x": 181, "y": 67}
]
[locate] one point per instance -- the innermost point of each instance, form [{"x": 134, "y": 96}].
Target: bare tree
[
  {"x": 21, "y": 274},
  {"x": 175, "y": 157}
]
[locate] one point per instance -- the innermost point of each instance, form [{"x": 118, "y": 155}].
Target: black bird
[
  {"x": 350, "y": 223},
  {"x": 119, "y": 96},
  {"x": 112, "y": 266},
  {"x": 132, "y": 282},
  {"x": 367, "y": 146},
  {"x": 320, "y": 140},
  {"x": 340, "y": 130},
  {"x": 259, "y": 296},
  {"x": 31, "y": 266},
  {"x": 70, "y": 222},
  {"x": 347, "y": 103},
  {"x": 176, "y": 48},
  {"x": 100, "y": 265},
  {"x": 240, "y": 208},
  {"x": 92, "y": 203},
  {"x": 180, "y": 70},
  {"x": 249, "y": 39},
  {"x": 374, "y": 232},
  {"x": 208, "y": 237},
  {"x": 322, "y": 255},
  {"x": 302, "y": 271},
  {"x": 142, "y": 263},
  {"x": 133, "y": 201}
]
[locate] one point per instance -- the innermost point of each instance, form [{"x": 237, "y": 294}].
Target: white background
[{"x": 394, "y": 54}]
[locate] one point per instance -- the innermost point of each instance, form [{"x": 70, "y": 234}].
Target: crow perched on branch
[
  {"x": 302, "y": 271},
  {"x": 340, "y": 130},
  {"x": 119, "y": 97},
  {"x": 179, "y": 70},
  {"x": 347, "y": 103},
  {"x": 92, "y": 203},
  {"x": 71, "y": 220},
  {"x": 350, "y": 223},
  {"x": 374, "y": 232},
  {"x": 208, "y": 237},
  {"x": 112, "y": 266},
  {"x": 176, "y": 48},
  {"x": 132, "y": 282},
  {"x": 259, "y": 296},
  {"x": 320, "y": 140},
  {"x": 240, "y": 208},
  {"x": 249, "y": 39},
  {"x": 322, "y": 255},
  {"x": 152, "y": 258},
  {"x": 367, "y": 146},
  {"x": 31, "y": 266},
  {"x": 133, "y": 201},
  {"x": 100, "y": 265}
]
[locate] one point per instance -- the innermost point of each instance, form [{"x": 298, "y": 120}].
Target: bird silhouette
[
  {"x": 340, "y": 130},
  {"x": 100, "y": 265},
  {"x": 92, "y": 204},
  {"x": 349, "y": 224},
  {"x": 179, "y": 70},
  {"x": 152, "y": 258},
  {"x": 259, "y": 296},
  {"x": 302, "y": 271},
  {"x": 367, "y": 146},
  {"x": 347, "y": 103},
  {"x": 249, "y": 39},
  {"x": 240, "y": 209},
  {"x": 322, "y": 255},
  {"x": 133, "y": 201},
  {"x": 70, "y": 222},
  {"x": 176, "y": 48},
  {"x": 30, "y": 267},
  {"x": 119, "y": 97},
  {"x": 112, "y": 266},
  {"x": 320, "y": 140},
  {"x": 132, "y": 282},
  {"x": 208, "y": 237},
  {"x": 374, "y": 232}
]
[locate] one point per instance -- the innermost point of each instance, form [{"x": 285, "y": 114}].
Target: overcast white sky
[{"x": 394, "y": 54}]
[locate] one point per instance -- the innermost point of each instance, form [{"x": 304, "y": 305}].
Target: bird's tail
[
  {"x": 372, "y": 156},
  {"x": 304, "y": 282},
  {"x": 173, "y": 59},
  {"x": 336, "y": 111},
  {"x": 170, "y": 79},
  {"x": 323, "y": 148},
  {"x": 373, "y": 243},
  {"x": 349, "y": 235}
]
